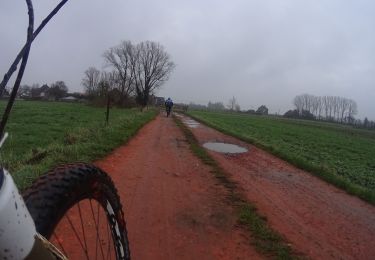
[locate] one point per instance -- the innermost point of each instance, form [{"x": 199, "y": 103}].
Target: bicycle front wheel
[{"x": 76, "y": 207}]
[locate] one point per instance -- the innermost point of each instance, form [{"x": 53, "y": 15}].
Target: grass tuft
[{"x": 265, "y": 239}]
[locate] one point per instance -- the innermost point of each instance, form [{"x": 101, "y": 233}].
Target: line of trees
[
  {"x": 232, "y": 106},
  {"x": 98, "y": 83},
  {"x": 218, "y": 106},
  {"x": 367, "y": 123},
  {"x": 136, "y": 71},
  {"x": 330, "y": 108}
]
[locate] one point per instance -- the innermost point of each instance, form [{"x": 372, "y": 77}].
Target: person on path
[{"x": 168, "y": 106}]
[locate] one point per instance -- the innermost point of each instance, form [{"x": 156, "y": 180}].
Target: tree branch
[
  {"x": 20, "y": 55},
  {"x": 25, "y": 57}
]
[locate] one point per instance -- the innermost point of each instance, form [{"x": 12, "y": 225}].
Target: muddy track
[
  {"x": 176, "y": 209},
  {"x": 174, "y": 206},
  {"x": 318, "y": 219}
]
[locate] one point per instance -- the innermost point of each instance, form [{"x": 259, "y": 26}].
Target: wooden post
[{"x": 107, "y": 114}]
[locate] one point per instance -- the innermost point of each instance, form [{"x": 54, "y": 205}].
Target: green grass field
[
  {"x": 339, "y": 154},
  {"x": 45, "y": 134}
]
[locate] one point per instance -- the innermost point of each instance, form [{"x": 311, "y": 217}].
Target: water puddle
[
  {"x": 225, "y": 148},
  {"x": 187, "y": 121},
  {"x": 191, "y": 123},
  {"x": 178, "y": 115}
]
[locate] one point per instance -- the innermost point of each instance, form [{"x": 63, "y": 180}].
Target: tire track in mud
[
  {"x": 174, "y": 206},
  {"x": 319, "y": 220}
]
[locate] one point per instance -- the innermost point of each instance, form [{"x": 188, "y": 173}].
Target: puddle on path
[
  {"x": 225, "y": 148},
  {"x": 191, "y": 123},
  {"x": 178, "y": 115}
]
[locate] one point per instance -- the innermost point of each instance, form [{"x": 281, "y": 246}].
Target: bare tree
[
  {"x": 215, "y": 106},
  {"x": 352, "y": 110},
  {"x": 325, "y": 106},
  {"x": 91, "y": 80},
  {"x": 343, "y": 107},
  {"x": 298, "y": 103},
  {"x": 151, "y": 67},
  {"x": 314, "y": 105},
  {"x": 305, "y": 102},
  {"x": 58, "y": 90},
  {"x": 105, "y": 84},
  {"x": 263, "y": 110},
  {"x": 320, "y": 107},
  {"x": 119, "y": 58},
  {"x": 232, "y": 104},
  {"x": 335, "y": 108}
]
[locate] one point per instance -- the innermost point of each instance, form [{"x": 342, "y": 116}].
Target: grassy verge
[
  {"x": 340, "y": 155},
  {"x": 45, "y": 134},
  {"x": 266, "y": 240}
]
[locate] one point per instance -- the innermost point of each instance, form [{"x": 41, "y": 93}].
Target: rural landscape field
[
  {"x": 187, "y": 130},
  {"x": 164, "y": 162},
  {"x": 45, "y": 134},
  {"x": 340, "y": 154}
]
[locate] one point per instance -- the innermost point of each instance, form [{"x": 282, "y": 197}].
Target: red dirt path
[
  {"x": 173, "y": 205},
  {"x": 318, "y": 219}
]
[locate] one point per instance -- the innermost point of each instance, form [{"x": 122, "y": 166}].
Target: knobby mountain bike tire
[{"x": 52, "y": 195}]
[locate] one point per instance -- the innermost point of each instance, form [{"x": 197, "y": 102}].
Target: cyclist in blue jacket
[{"x": 168, "y": 106}]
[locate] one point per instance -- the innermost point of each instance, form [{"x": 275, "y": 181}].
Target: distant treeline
[
  {"x": 231, "y": 106},
  {"x": 327, "y": 108},
  {"x": 331, "y": 108}
]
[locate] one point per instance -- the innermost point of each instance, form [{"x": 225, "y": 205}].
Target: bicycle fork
[{"x": 18, "y": 236}]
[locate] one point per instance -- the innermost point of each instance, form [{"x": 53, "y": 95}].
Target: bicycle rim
[{"x": 78, "y": 209}]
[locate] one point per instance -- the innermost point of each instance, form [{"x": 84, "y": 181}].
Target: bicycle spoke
[
  {"x": 71, "y": 226},
  {"x": 83, "y": 228},
  {"x": 76, "y": 234},
  {"x": 97, "y": 232},
  {"x": 96, "y": 240}
]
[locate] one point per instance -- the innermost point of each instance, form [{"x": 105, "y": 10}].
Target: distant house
[
  {"x": 44, "y": 88},
  {"x": 44, "y": 91},
  {"x": 40, "y": 93},
  {"x": 158, "y": 101}
]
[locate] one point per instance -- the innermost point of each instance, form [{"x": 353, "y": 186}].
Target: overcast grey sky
[{"x": 260, "y": 51}]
